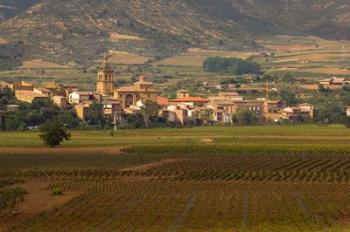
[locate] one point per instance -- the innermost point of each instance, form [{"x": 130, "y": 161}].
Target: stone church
[{"x": 129, "y": 95}]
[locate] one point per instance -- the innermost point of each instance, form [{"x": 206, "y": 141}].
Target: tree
[
  {"x": 246, "y": 117},
  {"x": 53, "y": 133},
  {"x": 289, "y": 97},
  {"x": 150, "y": 109}
]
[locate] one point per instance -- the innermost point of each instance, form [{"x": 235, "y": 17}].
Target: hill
[{"x": 81, "y": 30}]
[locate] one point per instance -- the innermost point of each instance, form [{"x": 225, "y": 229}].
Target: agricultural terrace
[{"x": 278, "y": 178}]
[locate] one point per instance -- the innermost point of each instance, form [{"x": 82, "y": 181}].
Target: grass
[{"x": 254, "y": 134}]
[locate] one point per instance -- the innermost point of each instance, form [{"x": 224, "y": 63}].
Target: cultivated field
[
  {"x": 282, "y": 178},
  {"x": 196, "y": 57},
  {"x": 306, "y": 56}
]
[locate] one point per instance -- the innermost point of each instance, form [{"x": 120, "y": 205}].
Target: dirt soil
[
  {"x": 145, "y": 167},
  {"x": 39, "y": 199}
]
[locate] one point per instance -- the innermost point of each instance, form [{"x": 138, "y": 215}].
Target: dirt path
[
  {"x": 145, "y": 167},
  {"x": 60, "y": 150},
  {"x": 39, "y": 199}
]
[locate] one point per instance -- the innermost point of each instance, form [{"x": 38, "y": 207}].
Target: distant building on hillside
[{"x": 334, "y": 82}]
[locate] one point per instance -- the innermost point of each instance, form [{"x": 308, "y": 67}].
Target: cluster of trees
[{"x": 233, "y": 66}]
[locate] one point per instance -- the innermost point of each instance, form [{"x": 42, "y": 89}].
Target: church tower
[{"x": 105, "y": 81}]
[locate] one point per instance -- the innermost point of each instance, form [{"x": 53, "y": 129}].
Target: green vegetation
[
  {"x": 279, "y": 178},
  {"x": 53, "y": 133},
  {"x": 233, "y": 66},
  {"x": 9, "y": 197}
]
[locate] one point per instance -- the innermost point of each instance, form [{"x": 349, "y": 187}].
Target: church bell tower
[{"x": 105, "y": 81}]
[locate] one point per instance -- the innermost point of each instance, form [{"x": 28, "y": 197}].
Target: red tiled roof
[
  {"x": 162, "y": 101},
  {"x": 191, "y": 99}
]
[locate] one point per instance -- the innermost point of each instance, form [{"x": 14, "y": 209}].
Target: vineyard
[{"x": 189, "y": 185}]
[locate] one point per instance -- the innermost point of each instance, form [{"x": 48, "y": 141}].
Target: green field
[{"x": 278, "y": 178}]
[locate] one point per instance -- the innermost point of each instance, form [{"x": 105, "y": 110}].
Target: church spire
[{"x": 105, "y": 81}]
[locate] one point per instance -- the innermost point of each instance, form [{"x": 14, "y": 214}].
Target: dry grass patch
[
  {"x": 40, "y": 64},
  {"x": 196, "y": 57},
  {"x": 118, "y": 57},
  {"x": 115, "y": 37},
  {"x": 327, "y": 70}
]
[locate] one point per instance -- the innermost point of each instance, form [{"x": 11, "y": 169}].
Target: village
[{"x": 225, "y": 108}]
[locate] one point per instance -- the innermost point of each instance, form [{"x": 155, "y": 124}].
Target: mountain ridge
[{"x": 81, "y": 30}]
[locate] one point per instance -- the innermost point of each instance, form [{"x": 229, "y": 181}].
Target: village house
[
  {"x": 139, "y": 91},
  {"x": 162, "y": 102},
  {"x": 5, "y": 85},
  {"x": 190, "y": 101},
  {"x": 82, "y": 110},
  {"x": 22, "y": 85},
  {"x": 68, "y": 89},
  {"x": 60, "y": 102},
  {"x": 112, "y": 111},
  {"x": 334, "y": 82},
  {"x": 80, "y": 97},
  {"x": 42, "y": 90},
  {"x": 29, "y": 96},
  {"x": 175, "y": 114},
  {"x": 303, "y": 112}
]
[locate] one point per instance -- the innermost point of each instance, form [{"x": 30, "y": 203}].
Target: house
[
  {"x": 68, "y": 89},
  {"x": 60, "y": 101},
  {"x": 226, "y": 96},
  {"x": 334, "y": 82},
  {"x": 275, "y": 106},
  {"x": 162, "y": 102},
  {"x": 112, "y": 111},
  {"x": 42, "y": 90},
  {"x": 22, "y": 85},
  {"x": 80, "y": 97},
  {"x": 191, "y": 101},
  {"x": 175, "y": 114},
  {"x": 130, "y": 95},
  {"x": 182, "y": 93},
  {"x": 5, "y": 85},
  {"x": 300, "y": 113},
  {"x": 348, "y": 111},
  {"x": 256, "y": 106},
  {"x": 82, "y": 110},
  {"x": 51, "y": 85},
  {"x": 29, "y": 96}
]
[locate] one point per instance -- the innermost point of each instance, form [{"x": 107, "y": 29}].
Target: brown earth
[
  {"x": 39, "y": 199},
  {"x": 145, "y": 167},
  {"x": 60, "y": 150}
]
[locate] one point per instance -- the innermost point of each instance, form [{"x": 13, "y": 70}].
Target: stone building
[
  {"x": 105, "y": 79},
  {"x": 139, "y": 91}
]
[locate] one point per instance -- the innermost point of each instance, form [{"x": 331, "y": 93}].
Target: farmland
[{"x": 278, "y": 178}]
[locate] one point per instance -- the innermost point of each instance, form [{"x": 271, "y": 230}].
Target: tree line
[{"x": 233, "y": 66}]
